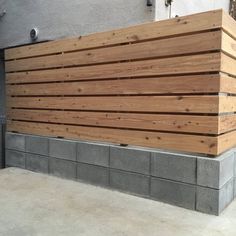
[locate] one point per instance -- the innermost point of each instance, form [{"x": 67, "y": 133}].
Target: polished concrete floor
[{"x": 36, "y": 204}]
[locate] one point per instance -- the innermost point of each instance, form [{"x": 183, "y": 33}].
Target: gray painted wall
[{"x": 63, "y": 18}]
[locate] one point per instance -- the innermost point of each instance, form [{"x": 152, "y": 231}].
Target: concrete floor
[{"x": 36, "y": 204}]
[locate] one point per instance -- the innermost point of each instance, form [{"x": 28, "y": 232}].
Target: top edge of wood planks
[
  {"x": 206, "y": 21},
  {"x": 169, "y": 84}
]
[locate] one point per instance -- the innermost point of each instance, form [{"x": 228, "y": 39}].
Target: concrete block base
[{"x": 194, "y": 182}]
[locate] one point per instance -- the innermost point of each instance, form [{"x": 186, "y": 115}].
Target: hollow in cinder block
[
  {"x": 93, "y": 153},
  {"x": 215, "y": 172},
  {"x": 174, "y": 193},
  {"x": 36, "y": 145},
  {"x": 130, "y": 159},
  {"x": 93, "y": 174},
  {"x": 15, "y": 159},
  {"x": 214, "y": 201},
  {"x": 15, "y": 141},
  {"x": 62, "y": 168},
  {"x": 37, "y": 163},
  {"x": 130, "y": 182},
  {"x": 62, "y": 149},
  {"x": 177, "y": 167}
]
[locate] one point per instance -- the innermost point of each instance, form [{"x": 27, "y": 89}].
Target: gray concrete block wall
[{"x": 194, "y": 182}]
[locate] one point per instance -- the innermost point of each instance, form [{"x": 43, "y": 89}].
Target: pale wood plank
[
  {"x": 226, "y": 141},
  {"x": 229, "y": 24},
  {"x": 227, "y": 104},
  {"x": 227, "y": 84},
  {"x": 175, "y": 26},
  {"x": 227, "y": 123},
  {"x": 186, "y": 104},
  {"x": 175, "y": 65},
  {"x": 228, "y": 64},
  {"x": 228, "y": 45},
  {"x": 173, "y": 123},
  {"x": 165, "y": 47},
  {"x": 162, "y": 85},
  {"x": 181, "y": 142}
]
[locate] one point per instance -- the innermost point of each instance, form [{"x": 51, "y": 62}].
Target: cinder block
[
  {"x": 36, "y": 145},
  {"x": 62, "y": 168},
  {"x": 36, "y": 163},
  {"x": 175, "y": 193},
  {"x": 130, "y": 159},
  {"x": 174, "y": 167},
  {"x": 93, "y": 174},
  {"x": 215, "y": 172},
  {"x": 91, "y": 153},
  {"x": 130, "y": 182},
  {"x": 15, "y": 141},
  {"x": 214, "y": 201},
  {"x": 15, "y": 159},
  {"x": 63, "y": 149}
]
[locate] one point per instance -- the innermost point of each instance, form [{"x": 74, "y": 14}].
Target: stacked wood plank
[{"x": 168, "y": 84}]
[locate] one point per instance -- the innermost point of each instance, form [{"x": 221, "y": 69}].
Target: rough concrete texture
[
  {"x": 72, "y": 18},
  {"x": 214, "y": 201},
  {"x": 183, "y": 7},
  {"x": 93, "y": 174},
  {"x": 57, "y": 19},
  {"x": 40, "y": 207},
  {"x": 129, "y": 159},
  {"x": 174, "y": 178},
  {"x": 62, "y": 149},
  {"x": 177, "y": 167},
  {"x": 93, "y": 153},
  {"x": 15, "y": 141},
  {"x": 37, "y": 145},
  {"x": 179, "y": 194},
  {"x": 214, "y": 173},
  {"x": 62, "y": 168}
]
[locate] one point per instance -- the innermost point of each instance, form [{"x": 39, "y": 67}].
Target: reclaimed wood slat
[
  {"x": 182, "y": 142},
  {"x": 165, "y": 66},
  {"x": 165, "y": 47},
  {"x": 182, "y": 25},
  {"x": 160, "y": 122}
]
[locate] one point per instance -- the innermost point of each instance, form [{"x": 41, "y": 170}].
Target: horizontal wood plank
[
  {"x": 228, "y": 64},
  {"x": 165, "y": 66},
  {"x": 227, "y": 84},
  {"x": 160, "y": 85},
  {"x": 186, "y": 104},
  {"x": 226, "y": 141},
  {"x": 165, "y": 47},
  {"x": 227, "y": 104},
  {"x": 180, "y": 25},
  {"x": 227, "y": 123},
  {"x": 188, "y": 143},
  {"x": 173, "y": 123},
  {"x": 229, "y": 24},
  {"x": 228, "y": 44}
]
